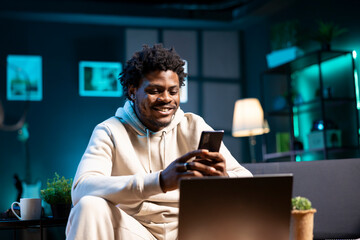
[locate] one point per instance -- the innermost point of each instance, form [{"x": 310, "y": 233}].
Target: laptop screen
[{"x": 252, "y": 208}]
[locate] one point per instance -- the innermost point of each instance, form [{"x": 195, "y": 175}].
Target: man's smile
[{"x": 164, "y": 109}]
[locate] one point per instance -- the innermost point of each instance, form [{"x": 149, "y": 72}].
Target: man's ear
[{"x": 132, "y": 92}]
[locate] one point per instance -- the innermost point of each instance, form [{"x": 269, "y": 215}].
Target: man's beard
[
  {"x": 159, "y": 124},
  {"x": 151, "y": 121}
]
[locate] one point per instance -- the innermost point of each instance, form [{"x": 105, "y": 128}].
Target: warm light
[{"x": 249, "y": 118}]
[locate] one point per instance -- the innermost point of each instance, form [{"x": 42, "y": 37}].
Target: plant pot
[
  {"x": 60, "y": 210},
  {"x": 325, "y": 46},
  {"x": 303, "y": 224}
]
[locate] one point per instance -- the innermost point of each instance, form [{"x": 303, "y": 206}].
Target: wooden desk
[{"x": 15, "y": 224}]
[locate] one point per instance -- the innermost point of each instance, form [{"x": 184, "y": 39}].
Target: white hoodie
[{"x": 123, "y": 161}]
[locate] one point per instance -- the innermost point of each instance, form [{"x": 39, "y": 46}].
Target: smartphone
[{"x": 211, "y": 140}]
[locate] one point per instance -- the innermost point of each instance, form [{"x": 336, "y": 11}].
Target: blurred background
[{"x": 226, "y": 45}]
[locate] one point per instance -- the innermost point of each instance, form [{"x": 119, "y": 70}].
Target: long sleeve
[
  {"x": 234, "y": 169},
  {"x": 116, "y": 166},
  {"x": 93, "y": 176}
]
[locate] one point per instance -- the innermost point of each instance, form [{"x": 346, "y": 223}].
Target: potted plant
[
  {"x": 326, "y": 32},
  {"x": 58, "y": 195},
  {"x": 284, "y": 39},
  {"x": 303, "y": 218},
  {"x": 284, "y": 34}
]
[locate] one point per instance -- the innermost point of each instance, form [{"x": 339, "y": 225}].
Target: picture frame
[
  {"x": 24, "y": 78},
  {"x": 99, "y": 79},
  {"x": 184, "y": 89}
]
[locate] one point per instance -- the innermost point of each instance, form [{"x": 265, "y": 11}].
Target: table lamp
[{"x": 249, "y": 121}]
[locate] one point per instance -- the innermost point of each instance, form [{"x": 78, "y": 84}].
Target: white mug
[{"x": 30, "y": 208}]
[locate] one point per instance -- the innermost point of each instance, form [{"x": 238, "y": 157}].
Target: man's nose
[{"x": 165, "y": 97}]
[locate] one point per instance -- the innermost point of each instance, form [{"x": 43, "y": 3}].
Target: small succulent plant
[{"x": 301, "y": 203}]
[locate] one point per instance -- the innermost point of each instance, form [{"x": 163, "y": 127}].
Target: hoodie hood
[{"x": 128, "y": 115}]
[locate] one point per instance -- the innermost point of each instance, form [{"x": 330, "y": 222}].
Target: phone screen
[{"x": 211, "y": 140}]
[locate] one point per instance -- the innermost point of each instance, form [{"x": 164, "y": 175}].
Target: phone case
[{"x": 211, "y": 140}]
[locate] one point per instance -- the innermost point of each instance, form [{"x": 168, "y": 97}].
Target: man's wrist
[{"x": 161, "y": 180}]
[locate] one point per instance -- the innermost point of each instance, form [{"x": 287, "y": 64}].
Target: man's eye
[
  {"x": 174, "y": 92},
  {"x": 153, "y": 91}
]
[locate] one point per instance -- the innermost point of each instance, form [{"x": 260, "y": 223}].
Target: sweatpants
[{"x": 94, "y": 218}]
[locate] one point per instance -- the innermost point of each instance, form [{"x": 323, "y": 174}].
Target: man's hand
[
  {"x": 206, "y": 164},
  {"x": 215, "y": 160}
]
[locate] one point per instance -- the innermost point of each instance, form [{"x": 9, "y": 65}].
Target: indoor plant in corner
[
  {"x": 303, "y": 218},
  {"x": 326, "y": 32},
  {"x": 58, "y": 195},
  {"x": 284, "y": 39}
]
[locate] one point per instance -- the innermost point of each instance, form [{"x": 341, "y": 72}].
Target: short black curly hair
[{"x": 148, "y": 60}]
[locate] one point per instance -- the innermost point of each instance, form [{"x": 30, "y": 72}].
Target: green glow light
[
  {"x": 356, "y": 77},
  {"x": 296, "y": 129},
  {"x": 354, "y": 54},
  {"x": 306, "y": 83},
  {"x": 296, "y": 122}
]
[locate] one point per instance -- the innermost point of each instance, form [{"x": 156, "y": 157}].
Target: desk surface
[{"x": 11, "y": 223}]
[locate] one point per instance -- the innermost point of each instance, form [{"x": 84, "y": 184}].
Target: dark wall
[{"x": 61, "y": 124}]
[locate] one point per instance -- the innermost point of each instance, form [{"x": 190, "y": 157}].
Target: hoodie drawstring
[
  {"x": 163, "y": 139},
  {"x": 149, "y": 148}
]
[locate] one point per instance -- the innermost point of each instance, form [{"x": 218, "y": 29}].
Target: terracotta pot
[
  {"x": 303, "y": 224},
  {"x": 61, "y": 210}
]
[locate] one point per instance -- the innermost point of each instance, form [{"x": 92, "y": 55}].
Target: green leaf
[
  {"x": 300, "y": 203},
  {"x": 58, "y": 190}
]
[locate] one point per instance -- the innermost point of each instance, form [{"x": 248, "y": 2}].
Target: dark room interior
[{"x": 227, "y": 46}]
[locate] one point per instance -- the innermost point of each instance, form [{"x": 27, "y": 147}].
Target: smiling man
[
  {"x": 157, "y": 98},
  {"x": 126, "y": 184}
]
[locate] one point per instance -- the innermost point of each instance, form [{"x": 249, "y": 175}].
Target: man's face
[{"x": 156, "y": 99}]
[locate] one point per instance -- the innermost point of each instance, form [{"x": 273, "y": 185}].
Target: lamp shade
[{"x": 249, "y": 118}]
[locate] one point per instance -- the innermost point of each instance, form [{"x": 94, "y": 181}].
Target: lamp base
[{"x": 252, "y": 143}]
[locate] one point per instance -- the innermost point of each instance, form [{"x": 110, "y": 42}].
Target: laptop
[{"x": 249, "y": 208}]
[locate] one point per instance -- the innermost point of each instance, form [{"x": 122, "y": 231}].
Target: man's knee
[
  {"x": 95, "y": 216},
  {"x": 91, "y": 218},
  {"x": 91, "y": 210},
  {"x": 92, "y": 206}
]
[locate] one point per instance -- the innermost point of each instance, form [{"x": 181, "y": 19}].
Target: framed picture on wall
[
  {"x": 184, "y": 89},
  {"x": 99, "y": 79},
  {"x": 24, "y": 78}
]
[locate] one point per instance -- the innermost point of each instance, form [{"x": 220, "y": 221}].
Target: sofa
[{"x": 333, "y": 186}]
